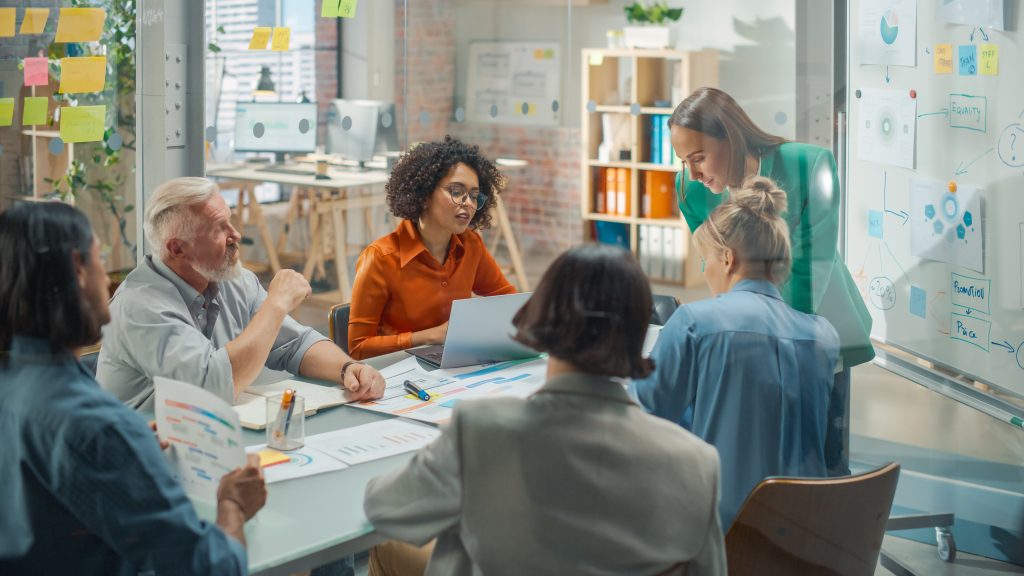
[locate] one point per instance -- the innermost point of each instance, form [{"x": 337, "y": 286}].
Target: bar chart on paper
[{"x": 373, "y": 441}]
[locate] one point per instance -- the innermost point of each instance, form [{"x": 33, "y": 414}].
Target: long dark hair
[
  {"x": 591, "y": 309},
  {"x": 713, "y": 112},
  {"x": 40, "y": 244}
]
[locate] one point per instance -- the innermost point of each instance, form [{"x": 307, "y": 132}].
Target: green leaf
[
  {"x": 675, "y": 14},
  {"x": 129, "y": 208}
]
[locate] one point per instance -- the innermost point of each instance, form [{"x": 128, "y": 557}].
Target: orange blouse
[{"x": 400, "y": 288}]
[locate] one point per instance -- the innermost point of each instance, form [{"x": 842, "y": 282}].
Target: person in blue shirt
[
  {"x": 86, "y": 487},
  {"x": 757, "y": 374}
]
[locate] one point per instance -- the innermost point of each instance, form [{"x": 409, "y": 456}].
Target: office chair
[
  {"x": 664, "y": 306},
  {"x": 337, "y": 322},
  {"x": 828, "y": 526}
]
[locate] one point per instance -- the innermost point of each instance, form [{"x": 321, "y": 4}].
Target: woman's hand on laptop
[
  {"x": 435, "y": 335},
  {"x": 362, "y": 382}
]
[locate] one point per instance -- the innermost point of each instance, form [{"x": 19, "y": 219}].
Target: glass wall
[{"x": 87, "y": 76}]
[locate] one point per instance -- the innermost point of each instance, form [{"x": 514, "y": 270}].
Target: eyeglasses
[{"x": 462, "y": 197}]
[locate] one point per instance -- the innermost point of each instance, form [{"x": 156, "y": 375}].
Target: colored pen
[
  {"x": 416, "y": 390},
  {"x": 284, "y": 414}
]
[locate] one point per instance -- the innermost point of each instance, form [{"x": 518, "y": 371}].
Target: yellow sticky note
[
  {"x": 7, "y": 22},
  {"x": 989, "y": 60},
  {"x": 80, "y": 24},
  {"x": 943, "y": 58},
  {"x": 269, "y": 457},
  {"x": 6, "y": 111},
  {"x": 260, "y": 37},
  {"x": 82, "y": 123},
  {"x": 282, "y": 37},
  {"x": 35, "y": 20},
  {"x": 347, "y": 8},
  {"x": 33, "y": 111},
  {"x": 82, "y": 74}
]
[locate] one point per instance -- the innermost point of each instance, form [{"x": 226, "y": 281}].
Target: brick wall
[
  {"x": 542, "y": 199},
  {"x": 326, "y": 60}
]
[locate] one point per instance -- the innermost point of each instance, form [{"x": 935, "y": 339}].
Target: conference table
[{"x": 310, "y": 521}]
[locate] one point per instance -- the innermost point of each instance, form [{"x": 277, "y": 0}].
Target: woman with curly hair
[{"x": 406, "y": 281}]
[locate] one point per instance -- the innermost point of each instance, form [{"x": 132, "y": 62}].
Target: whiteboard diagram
[
  {"x": 513, "y": 82},
  {"x": 947, "y": 226},
  {"x": 888, "y": 122}
]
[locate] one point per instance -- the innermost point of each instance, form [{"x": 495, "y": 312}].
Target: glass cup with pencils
[{"x": 286, "y": 421}]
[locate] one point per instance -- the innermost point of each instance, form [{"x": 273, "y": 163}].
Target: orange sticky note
[
  {"x": 943, "y": 58},
  {"x": 37, "y": 71},
  {"x": 260, "y": 37},
  {"x": 7, "y": 22},
  {"x": 82, "y": 74},
  {"x": 35, "y": 20},
  {"x": 269, "y": 457},
  {"x": 82, "y": 123},
  {"x": 80, "y": 24},
  {"x": 989, "y": 65},
  {"x": 282, "y": 38},
  {"x": 6, "y": 111}
]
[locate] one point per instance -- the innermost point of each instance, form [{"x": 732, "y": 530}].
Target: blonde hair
[
  {"x": 169, "y": 214},
  {"x": 750, "y": 224}
]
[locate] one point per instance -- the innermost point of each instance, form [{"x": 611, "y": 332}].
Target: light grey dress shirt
[
  {"x": 162, "y": 326},
  {"x": 577, "y": 479}
]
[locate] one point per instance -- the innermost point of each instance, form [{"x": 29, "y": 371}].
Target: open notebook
[{"x": 251, "y": 405}]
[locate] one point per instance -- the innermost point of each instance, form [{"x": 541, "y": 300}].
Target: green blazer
[{"x": 819, "y": 283}]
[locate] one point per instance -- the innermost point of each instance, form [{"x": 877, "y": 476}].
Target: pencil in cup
[{"x": 286, "y": 421}]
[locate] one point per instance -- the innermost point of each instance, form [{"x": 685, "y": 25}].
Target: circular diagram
[
  {"x": 889, "y": 27},
  {"x": 1011, "y": 146}
]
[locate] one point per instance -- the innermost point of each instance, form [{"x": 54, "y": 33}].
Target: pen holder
[{"x": 286, "y": 429}]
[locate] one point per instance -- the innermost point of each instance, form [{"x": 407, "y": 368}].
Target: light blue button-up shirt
[
  {"x": 162, "y": 326},
  {"x": 758, "y": 376},
  {"x": 86, "y": 489}
]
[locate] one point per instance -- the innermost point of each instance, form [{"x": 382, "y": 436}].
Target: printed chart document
[
  {"x": 518, "y": 378},
  {"x": 888, "y": 32},
  {"x": 204, "y": 434},
  {"x": 302, "y": 462},
  {"x": 887, "y": 123},
  {"x": 373, "y": 441},
  {"x": 251, "y": 405},
  {"x": 947, "y": 226}
]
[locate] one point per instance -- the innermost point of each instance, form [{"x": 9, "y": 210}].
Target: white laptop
[{"x": 479, "y": 332}]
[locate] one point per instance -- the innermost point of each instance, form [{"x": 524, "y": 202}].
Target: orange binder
[
  {"x": 659, "y": 187},
  {"x": 600, "y": 184},
  {"x": 622, "y": 193},
  {"x": 611, "y": 190}
]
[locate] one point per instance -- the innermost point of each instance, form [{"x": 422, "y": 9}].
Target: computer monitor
[
  {"x": 359, "y": 129},
  {"x": 281, "y": 127}
]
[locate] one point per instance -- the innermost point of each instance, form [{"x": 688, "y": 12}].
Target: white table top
[
  {"x": 339, "y": 178},
  {"x": 310, "y": 521}
]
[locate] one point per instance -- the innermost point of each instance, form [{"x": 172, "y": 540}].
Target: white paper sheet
[
  {"x": 305, "y": 461},
  {"x": 887, "y": 124},
  {"x": 947, "y": 226},
  {"x": 373, "y": 441},
  {"x": 888, "y": 32},
  {"x": 989, "y": 13},
  {"x": 204, "y": 434},
  {"x": 251, "y": 405}
]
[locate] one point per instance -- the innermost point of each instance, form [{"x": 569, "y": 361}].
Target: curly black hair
[{"x": 420, "y": 170}]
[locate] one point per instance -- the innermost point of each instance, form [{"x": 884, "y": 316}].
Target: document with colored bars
[{"x": 517, "y": 378}]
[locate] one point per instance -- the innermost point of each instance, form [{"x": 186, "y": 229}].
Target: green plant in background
[
  {"x": 97, "y": 167},
  {"x": 657, "y": 12}
]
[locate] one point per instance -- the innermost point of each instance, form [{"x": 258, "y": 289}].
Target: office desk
[
  {"x": 310, "y": 521},
  {"x": 324, "y": 201}
]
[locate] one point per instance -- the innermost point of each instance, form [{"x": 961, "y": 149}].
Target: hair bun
[{"x": 761, "y": 195}]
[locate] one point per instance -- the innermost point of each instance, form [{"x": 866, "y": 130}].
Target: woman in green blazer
[{"x": 720, "y": 147}]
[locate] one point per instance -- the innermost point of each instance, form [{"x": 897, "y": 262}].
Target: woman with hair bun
[{"x": 757, "y": 374}]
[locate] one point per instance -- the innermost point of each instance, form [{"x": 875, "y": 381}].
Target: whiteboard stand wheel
[{"x": 946, "y": 544}]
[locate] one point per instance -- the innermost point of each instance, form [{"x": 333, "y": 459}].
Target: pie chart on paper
[{"x": 890, "y": 27}]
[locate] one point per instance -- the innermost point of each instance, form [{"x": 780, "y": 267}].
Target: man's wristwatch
[{"x": 345, "y": 367}]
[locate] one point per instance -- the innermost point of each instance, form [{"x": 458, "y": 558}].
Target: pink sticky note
[{"x": 36, "y": 72}]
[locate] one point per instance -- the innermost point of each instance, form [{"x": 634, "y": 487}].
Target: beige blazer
[{"x": 575, "y": 479}]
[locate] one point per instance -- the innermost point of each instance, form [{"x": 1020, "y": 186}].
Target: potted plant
[{"x": 652, "y": 31}]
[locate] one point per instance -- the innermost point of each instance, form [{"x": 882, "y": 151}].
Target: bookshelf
[{"x": 628, "y": 95}]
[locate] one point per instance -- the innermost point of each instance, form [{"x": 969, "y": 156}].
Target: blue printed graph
[{"x": 889, "y": 27}]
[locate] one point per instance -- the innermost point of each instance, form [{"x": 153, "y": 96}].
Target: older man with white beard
[{"x": 192, "y": 313}]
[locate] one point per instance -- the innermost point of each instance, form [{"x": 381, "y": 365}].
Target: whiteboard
[
  {"x": 942, "y": 272},
  {"x": 513, "y": 82}
]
